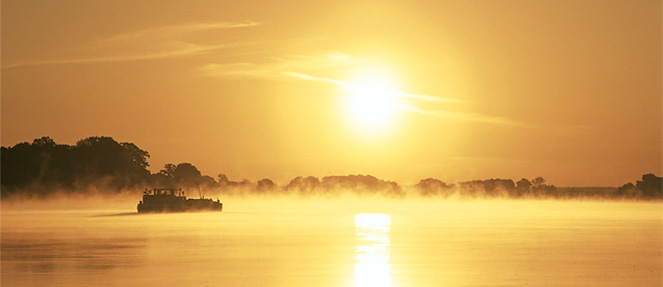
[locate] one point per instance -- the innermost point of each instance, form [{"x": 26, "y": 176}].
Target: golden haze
[{"x": 568, "y": 90}]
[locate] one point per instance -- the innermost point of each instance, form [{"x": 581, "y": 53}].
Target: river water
[{"x": 339, "y": 242}]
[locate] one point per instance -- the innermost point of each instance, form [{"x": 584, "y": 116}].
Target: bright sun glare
[{"x": 372, "y": 101}]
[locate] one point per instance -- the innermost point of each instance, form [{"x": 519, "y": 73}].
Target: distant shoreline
[{"x": 105, "y": 166}]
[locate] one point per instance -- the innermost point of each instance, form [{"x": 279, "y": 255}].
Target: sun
[{"x": 372, "y": 101}]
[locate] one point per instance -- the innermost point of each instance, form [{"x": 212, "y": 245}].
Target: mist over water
[{"x": 334, "y": 242}]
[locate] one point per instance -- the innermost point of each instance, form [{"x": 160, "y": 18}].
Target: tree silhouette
[
  {"x": 91, "y": 161},
  {"x": 523, "y": 187},
  {"x": 627, "y": 190},
  {"x": 185, "y": 174},
  {"x": 538, "y": 182},
  {"x": 303, "y": 185},
  {"x": 168, "y": 170},
  {"x": 123, "y": 163},
  {"x": 433, "y": 187},
  {"x": 650, "y": 186},
  {"x": 43, "y": 166},
  {"x": 266, "y": 185}
]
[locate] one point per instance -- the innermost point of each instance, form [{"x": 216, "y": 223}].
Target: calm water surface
[{"x": 339, "y": 243}]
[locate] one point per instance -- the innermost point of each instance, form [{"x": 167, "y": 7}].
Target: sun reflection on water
[{"x": 372, "y": 267}]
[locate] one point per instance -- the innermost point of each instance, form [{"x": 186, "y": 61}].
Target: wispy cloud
[
  {"x": 351, "y": 87},
  {"x": 469, "y": 117},
  {"x": 292, "y": 67},
  {"x": 172, "y": 31},
  {"x": 409, "y": 103},
  {"x": 177, "y": 49},
  {"x": 282, "y": 66},
  {"x": 145, "y": 44},
  {"x": 312, "y": 78}
]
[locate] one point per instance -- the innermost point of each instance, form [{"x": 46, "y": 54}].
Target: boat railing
[{"x": 164, "y": 191}]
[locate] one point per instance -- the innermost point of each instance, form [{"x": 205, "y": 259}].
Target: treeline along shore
[{"x": 43, "y": 168}]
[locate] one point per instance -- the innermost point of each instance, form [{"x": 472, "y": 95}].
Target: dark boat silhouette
[{"x": 174, "y": 200}]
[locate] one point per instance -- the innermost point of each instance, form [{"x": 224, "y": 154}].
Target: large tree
[{"x": 91, "y": 161}]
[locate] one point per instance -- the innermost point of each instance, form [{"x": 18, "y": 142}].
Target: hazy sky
[{"x": 403, "y": 90}]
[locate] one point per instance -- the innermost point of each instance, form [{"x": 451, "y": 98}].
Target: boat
[{"x": 174, "y": 200}]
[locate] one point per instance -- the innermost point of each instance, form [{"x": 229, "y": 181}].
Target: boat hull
[
  {"x": 171, "y": 200},
  {"x": 186, "y": 207}
]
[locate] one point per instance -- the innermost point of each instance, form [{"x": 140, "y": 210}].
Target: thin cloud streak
[
  {"x": 153, "y": 43},
  {"x": 407, "y": 102},
  {"x": 282, "y": 66},
  {"x": 398, "y": 94},
  {"x": 312, "y": 78},
  {"x": 410, "y": 107},
  {"x": 471, "y": 117},
  {"x": 187, "y": 49},
  {"x": 170, "y": 31}
]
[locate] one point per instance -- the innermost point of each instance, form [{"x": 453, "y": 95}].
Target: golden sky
[{"x": 402, "y": 90}]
